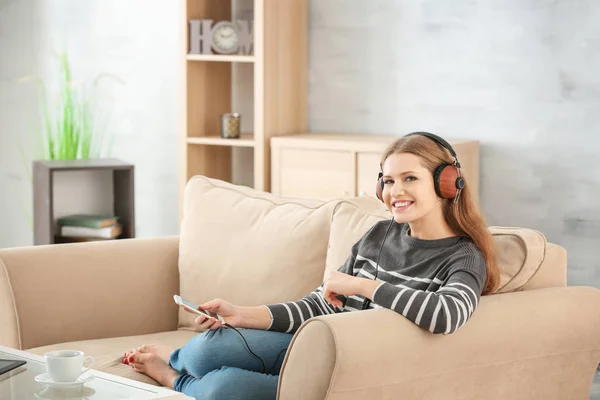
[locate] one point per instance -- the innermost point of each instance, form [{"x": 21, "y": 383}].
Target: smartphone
[
  {"x": 9, "y": 368},
  {"x": 188, "y": 305}
]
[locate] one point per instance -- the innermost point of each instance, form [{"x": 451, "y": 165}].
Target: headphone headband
[
  {"x": 447, "y": 178},
  {"x": 440, "y": 141}
]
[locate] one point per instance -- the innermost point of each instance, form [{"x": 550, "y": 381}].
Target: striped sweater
[{"x": 436, "y": 284}]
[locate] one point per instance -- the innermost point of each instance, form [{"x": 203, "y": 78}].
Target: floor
[{"x": 595, "y": 392}]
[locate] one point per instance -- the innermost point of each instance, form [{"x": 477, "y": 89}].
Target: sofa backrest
[{"x": 249, "y": 247}]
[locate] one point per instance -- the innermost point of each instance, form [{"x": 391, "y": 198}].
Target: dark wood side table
[{"x": 43, "y": 207}]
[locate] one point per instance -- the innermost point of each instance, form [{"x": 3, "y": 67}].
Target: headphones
[{"x": 447, "y": 178}]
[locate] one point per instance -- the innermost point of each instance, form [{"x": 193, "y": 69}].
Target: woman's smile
[{"x": 401, "y": 205}]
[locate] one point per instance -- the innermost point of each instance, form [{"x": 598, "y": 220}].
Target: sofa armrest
[
  {"x": 79, "y": 291},
  {"x": 535, "y": 344}
]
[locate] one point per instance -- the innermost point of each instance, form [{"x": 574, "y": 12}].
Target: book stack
[{"x": 86, "y": 227}]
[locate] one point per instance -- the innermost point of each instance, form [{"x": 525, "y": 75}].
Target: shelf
[
  {"x": 220, "y": 58},
  {"x": 52, "y": 196},
  {"x": 246, "y": 140}
]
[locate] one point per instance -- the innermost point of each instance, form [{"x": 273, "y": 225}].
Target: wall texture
[
  {"x": 19, "y": 51},
  {"x": 521, "y": 76}
]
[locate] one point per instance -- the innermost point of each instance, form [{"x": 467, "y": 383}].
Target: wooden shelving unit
[{"x": 268, "y": 88}]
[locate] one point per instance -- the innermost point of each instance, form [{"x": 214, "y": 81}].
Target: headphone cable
[
  {"x": 264, "y": 369},
  {"x": 248, "y": 347},
  {"x": 366, "y": 301}
]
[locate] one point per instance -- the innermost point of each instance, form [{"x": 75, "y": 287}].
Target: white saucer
[{"x": 46, "y": 380}]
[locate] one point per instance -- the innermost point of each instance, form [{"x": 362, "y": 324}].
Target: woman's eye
[
  {"x": 388, "y": 182},
  {"x": 410, "y": 178}
]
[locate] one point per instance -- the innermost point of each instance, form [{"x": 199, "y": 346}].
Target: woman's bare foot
[
  {"x": 156, "y": 368},
  {"x": 164, "y": 352}
]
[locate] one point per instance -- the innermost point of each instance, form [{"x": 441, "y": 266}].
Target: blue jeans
[{"x": 216, "y": 364}]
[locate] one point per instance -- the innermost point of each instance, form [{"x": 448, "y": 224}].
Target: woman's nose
[{"x": 397, "y": 189}]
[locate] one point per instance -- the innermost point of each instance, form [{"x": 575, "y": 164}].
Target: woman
[{"x": 430, "y": 263}]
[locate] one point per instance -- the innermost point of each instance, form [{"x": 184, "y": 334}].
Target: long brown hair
[{"x": 464, "y": 216}]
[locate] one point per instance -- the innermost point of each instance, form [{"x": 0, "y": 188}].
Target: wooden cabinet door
[
  {"x": 367, "y": 167},
  {"x": 311, "y": 173}
]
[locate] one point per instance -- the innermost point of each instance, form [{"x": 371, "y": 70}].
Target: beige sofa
[{"x": 534, "y": 339}]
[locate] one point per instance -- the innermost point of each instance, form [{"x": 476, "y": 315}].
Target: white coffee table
[{"x": 22, "y": 386}]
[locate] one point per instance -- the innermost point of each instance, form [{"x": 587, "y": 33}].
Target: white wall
[
  {"x": 521, "y": 76},
  {"x": 137, "y": 41},
  {"x": 19, "y": 49}
]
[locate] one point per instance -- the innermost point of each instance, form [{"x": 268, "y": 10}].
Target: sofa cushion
[
  {"x": 352, "y": 218},
  {"x": 249, "y": 247},
  {"x": 108, "y": 353},
  {"x": 520, "y": 251}
]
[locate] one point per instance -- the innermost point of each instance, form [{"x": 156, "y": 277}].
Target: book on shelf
[
  {"x": 109, "y": 232},
  {"x": 78, "y": 239},
  {"x": 88, "y": 220}
]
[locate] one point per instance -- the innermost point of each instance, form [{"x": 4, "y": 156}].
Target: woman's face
[{"x": 408, "y": 190}]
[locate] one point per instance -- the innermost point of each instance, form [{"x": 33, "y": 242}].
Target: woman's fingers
[
  {"x": 212, "y": 324},
  {"x": 200, "y": 320},
  {"x": 206, "y": 322},
  {"x": 334, "y": 302},
  {"x": 211, "y": 307},
  {"x": 326, "y": 292},
  {"x": 331, "y": 299}
]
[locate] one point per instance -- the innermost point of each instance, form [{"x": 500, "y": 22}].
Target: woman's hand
[
  {"x": 228, "y": 311},
  {"x": 339, "y": 283}
]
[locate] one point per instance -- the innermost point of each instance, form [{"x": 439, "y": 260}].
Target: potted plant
[
  {"x": 74, "y": 126},
  {"x": 74, "y": 123}
]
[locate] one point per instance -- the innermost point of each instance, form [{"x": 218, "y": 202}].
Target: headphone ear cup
[
  {"x": 447, "y": 181},
  {"x": 379, "y": 188}
]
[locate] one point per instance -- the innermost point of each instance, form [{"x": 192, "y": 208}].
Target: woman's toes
[
  {"x": 137, "y": 367},
  {"x": 153, "y": 366},
  {"x": 139, "y": 358},
  {"x": 128, "y": 353},
  {"x": 126, "y": 357},
  {"x": 139, "y": 361},
  {"x": 163, "y": 352}
]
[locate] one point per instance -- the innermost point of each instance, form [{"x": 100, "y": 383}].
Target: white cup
[{"x": 66, "y": 365}]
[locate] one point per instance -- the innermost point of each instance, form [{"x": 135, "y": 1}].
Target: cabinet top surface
[
  {"x": 358, "y": 137},
  {"x": 349, "y": 141},
  {"x": 94, "y": 163}
]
